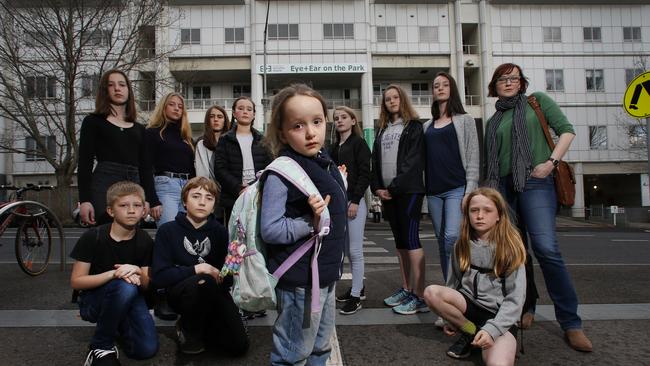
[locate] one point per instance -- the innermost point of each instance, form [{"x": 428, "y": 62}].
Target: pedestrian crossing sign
[{"x": 637, "y": 96}]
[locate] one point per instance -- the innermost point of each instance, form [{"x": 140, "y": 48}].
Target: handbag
[{"x": 565, "y": 181}]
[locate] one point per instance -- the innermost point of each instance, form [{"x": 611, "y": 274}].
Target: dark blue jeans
[
  {"x": 119, "y": 307},
  {"x": 534, "y": 209}
]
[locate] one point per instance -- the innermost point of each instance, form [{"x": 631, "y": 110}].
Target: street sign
[
  {"x": 613, "y": 209},
  {"x": 637, "y": 96}
]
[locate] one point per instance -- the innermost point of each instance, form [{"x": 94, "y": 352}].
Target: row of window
[
  {"x": 92, "y": 38},
  {"x": 594, "y": 79},
  {"x": 44, "y": 87},
  {"x": 554, "y": 34}
]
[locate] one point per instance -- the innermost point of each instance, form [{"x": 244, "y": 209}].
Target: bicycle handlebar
[{"x": 27, "y": 187}]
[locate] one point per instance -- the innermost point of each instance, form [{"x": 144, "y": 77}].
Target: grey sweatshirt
[{"x": 489, "y": 292}]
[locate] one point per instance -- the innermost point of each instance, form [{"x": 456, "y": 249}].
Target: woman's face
[
  {"x": 392, "y": 101},
  {"x": 217, "y": 120},
  {"x": 244, "y": 112},
  {"x": 508, "y": 84},
  {"x": 118, "y": 89},
  {"x": 441, "y": 89},
  {"x": 343, "y": 121},
  {"x": 174, "y": 108}
]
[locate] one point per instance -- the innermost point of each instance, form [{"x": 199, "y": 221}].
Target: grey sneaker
[{"x": 397, "y": 297}]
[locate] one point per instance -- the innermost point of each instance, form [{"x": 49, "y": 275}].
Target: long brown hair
[
  {"x": 103, "y": 106},
  {"x": 234, "y": 105},
  {"x": 454, "y": 103},
  {"x": 406, "y": 110},
  {"x": 208, "y": 135},
  {"x": 510, "y": 253},
  {"x": 356, "y": 129},
  {"x": 159, "y": 118}
]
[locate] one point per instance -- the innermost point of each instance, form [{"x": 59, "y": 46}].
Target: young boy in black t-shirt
[{"x": 111, "y": 270}]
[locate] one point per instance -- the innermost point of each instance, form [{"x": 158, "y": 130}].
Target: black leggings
[
  {"x": 107, "y": 173},
  {"x": 207, "y": 308}
]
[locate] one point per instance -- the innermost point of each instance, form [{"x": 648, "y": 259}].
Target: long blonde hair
[
  {"x": 159, "y": 119},
  {"x": 510, "y": 253},
  {"x": 406, "y": 110}
]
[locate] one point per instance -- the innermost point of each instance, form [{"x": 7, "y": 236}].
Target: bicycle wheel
[{"x": 34, "y": 244}]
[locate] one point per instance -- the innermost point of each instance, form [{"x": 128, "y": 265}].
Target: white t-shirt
[{"x": 248, "y": 170}]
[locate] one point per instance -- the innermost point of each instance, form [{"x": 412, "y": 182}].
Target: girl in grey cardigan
[{"x": 486, "y": 287}]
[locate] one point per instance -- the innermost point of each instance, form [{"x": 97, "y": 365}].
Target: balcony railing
[
  {"x": 147, "y": 105},
  {"x": 352, "y": 103},
  {"x": 472, "y": 99},
  {"x": 470, "y": 49},
  {"x": 415, "y": 99}
]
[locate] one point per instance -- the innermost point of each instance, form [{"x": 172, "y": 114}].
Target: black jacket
[
  {"x": 410, "y": 162},
  {"x": 228, "y": 164},
  {"x": 355, "y": 154}
]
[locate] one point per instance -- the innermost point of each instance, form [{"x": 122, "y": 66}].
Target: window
[
  {"x": 41, "y": 86},
  {"x": 554, "y": 80},
  {"x": 96, "y": 37},
  {"x": 637, "y": 134},
  {"x": 89, "y": 85},
  {"x": 283, "y": 31},
  {"x": 241, "y": 91},
  {"x": 418, "y": 89},
  {"x": 378, "y": 89},
  {"x": 37, "y": 39},
  {"x": 191, "y": 36},
  {"x": 632, "y": 34},
  {"x": 386, "y": 34},
  {"x": 31, "y": 148},
  {"x": 591, "y": 34},
  {"x": 595, "y": 80},
  {"x": 552, "y": 34},
  {"x": 598, "y": 137},
  {"x": 201, "y": 92},
  {"x": 338, "y": 31},
  {"x": 428, "y": 34},
  {"x": 234, "y": 35},
  {"x": 630, "y": 74},
  {"x": 511, "y": 34}
]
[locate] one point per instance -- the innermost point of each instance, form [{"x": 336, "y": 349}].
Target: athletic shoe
[
  {"x": 440, "y": 322},
  {"x": 102, "y": 357},
  {"x": 411, "y": 306},
  {"x": 348, "y": 295},
  {"x": 462, "y": 348},
  {"x": 250, "y": 315},
  {"x": 351, "y": 306},
  {"x": 397, "y": 297},
  {"x": 188, "y": 343}
]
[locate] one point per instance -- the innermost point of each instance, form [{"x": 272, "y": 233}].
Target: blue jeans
[
  {"x": 445, "y": 212},
  {"x": 168, "y": 191},
  {"x": 534, "y": 209},
  {"x": 354, "y": 251},
  {"x": 299, "y": 336},
  {"x": 119, "y": 307}
]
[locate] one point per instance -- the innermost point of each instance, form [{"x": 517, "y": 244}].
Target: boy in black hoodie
[{"x": 187, "y": 256}]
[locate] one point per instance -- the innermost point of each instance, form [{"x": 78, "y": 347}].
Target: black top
[
  {"x": 103, "y": 141},
  {"x": 355, "y": 155},
  {"x": 444, "y": 168},
  {"x": 97, "y": 247}
]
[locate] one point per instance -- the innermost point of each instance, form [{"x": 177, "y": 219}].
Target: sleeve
[
  {"x": 146, "y": 171},
  {"x": 412, "y": 161},
  {"x": 200, "y": 160},
  {"x": 146, "y": 243},
  {"x": 375, "y": 170},
  {"x": 164, "y": 271},
  {"x": 557, "y": 121},
  {"x": 229, "y": 182},
  {"x": 362, "y": 158},
  {"x": 472, "y": 155},
  {"x": 83, "y": 250},
  {"x": 511, "y": 307},
  {"x": 275, "y": 227},
  {"x": 87, "y": 153}
]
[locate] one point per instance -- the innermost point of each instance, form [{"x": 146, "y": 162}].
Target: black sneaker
[
  {"x": 102, "y": 357},
  {"x": 348, "y": 295},
  {"x": 462, "y": 347},
  {"x": 250, "y": 315},
  {"x": 188, "y": 343},
  {"x": 162, "y": 310},
  {"x": 351, "y": 306}
]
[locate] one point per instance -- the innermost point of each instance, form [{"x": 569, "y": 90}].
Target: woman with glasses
[{"x": 520, "y": 164}]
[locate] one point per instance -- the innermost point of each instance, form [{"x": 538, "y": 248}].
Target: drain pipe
[{"x": 460, "y": 64}]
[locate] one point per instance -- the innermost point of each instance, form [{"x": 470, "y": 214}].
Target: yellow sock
[{"x": 469, "y": 328}]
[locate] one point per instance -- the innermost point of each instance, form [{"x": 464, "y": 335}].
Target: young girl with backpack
[
  {"x": 486, "y": 286},
  {"x": 288, "y": 219}
]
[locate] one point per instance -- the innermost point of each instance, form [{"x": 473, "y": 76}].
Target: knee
[
  {"x": 432, "y": 295},
  {"x": 146, "y": 349},
  {"x": 124, "y": 290}
]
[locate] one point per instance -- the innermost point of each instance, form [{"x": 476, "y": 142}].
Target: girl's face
[
  {"x": 244, "y": 112},
  {"x": 343, "y": 121},
  {"x": 174, "y": 108},
  {"x": 483, "y": 215},
  {"x": 441, "y": 89},
  {"x": 392, "y": 101},
  {"x": 508, "y": 84},
  {"x": 217, "y": 120},
  {"x": 118, "y": 90},
  {"x": 304, "y": 125}
]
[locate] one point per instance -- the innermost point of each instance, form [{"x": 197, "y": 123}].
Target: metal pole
[
  {"x": 266, "y": 27},
  {"x": 647, "y": 144}
]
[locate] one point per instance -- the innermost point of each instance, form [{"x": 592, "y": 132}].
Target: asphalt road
[{"x": 610, "y": 269}]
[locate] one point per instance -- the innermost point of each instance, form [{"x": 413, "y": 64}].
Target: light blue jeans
[
  {"x": 299, "y": 336},
  {"x": 354, "y": 250},
  {"x": 446, "y": 215},
  {"x": 168, "y": 191}
]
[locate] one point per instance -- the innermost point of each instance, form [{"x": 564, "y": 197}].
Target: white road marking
[
  {"x": 578, "y": 235},
  {"x": 374, "y": 250},
  {"x": 335, "y": 356},
  {"x": 632, "y": 240}
]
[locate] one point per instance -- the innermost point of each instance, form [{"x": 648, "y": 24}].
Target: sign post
[{"x": 637, "y": 105}]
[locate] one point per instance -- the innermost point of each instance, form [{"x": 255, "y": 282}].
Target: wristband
[{"x": 554, "y": 161}]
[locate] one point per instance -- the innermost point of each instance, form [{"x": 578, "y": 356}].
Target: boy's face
[
  {"x": 127, "y": 210},
  {"x": 199, "y": 204}
]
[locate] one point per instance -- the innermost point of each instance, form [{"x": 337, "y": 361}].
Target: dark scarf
[{"x": 521, "y": 156}]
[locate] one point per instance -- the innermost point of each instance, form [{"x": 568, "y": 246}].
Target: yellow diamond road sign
[{"x": 637, "y": 96}]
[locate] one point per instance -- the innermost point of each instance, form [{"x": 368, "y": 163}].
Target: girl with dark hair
[
  {"x": 111, "y": 137},
  {"x": 214, "y": 124},
  {"x": 397, "y": 166},
  {"x": 520, "y": 164}
]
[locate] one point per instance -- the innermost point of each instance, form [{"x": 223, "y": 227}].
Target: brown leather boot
[{"x": 578, "y": 340}]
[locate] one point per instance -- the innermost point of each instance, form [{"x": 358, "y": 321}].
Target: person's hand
[
  {"x": 147, "y": 207},
  {"x": 156, "y": 212},
  {"x": 206, "y": 268},
  {"x": 449, "y": 330},
  {"x": 317, "y": 205},
  {"x": 133, "y": 279},
  {"x": 352, "y": 210},
  {"x": 344, "y": 170},
  {"x": 483, "y": 340},
  {"x": 383, "y": 194},
  {"x": 542, "y": 170},
  {"x": 126, "y": 270},
  {"x": 87, "y": 213}
]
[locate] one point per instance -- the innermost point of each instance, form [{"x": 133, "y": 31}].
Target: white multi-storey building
[{"x": 582, "y": 53}]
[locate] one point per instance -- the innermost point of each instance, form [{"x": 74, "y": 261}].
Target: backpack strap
[{"x": 483, "y": 270}]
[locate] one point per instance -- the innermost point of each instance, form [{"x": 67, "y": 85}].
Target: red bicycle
[{"x": 34, "y": 222}]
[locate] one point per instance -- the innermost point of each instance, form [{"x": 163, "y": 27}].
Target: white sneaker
[{"x": 440, "y": 322}]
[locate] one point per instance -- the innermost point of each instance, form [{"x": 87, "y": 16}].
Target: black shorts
[
  {"x": 479, "y": 316},
  {"x": 403, "y": 214}
]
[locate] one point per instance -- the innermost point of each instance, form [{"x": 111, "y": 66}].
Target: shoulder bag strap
[{"x": 542, "y": 120}]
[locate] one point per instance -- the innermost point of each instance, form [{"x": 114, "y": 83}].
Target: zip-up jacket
[{"x": 355, "y": 155}]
